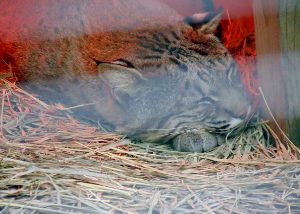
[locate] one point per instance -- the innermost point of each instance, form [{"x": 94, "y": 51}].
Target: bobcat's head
[{"x": 176, "y": 78}]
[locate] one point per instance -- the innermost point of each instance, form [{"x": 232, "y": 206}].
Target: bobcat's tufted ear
[
  {"x": 205, "y": 23},
  {"x": 123, "y": 82}
]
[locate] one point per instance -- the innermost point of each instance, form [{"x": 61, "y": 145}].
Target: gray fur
[{"x": 178, "y": 85}]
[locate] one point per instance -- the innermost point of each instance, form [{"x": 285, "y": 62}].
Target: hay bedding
[{"x": 50, "y": 163}]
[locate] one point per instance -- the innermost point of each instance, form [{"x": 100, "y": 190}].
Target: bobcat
[{"x": 166, "y": 81}]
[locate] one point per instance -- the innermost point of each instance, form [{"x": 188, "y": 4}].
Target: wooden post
[
  {"x": 290, "y": 48},
  {"x": 267, "y": 31}
]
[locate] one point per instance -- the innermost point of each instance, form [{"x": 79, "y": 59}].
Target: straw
[{"x": 50, "y": 163}]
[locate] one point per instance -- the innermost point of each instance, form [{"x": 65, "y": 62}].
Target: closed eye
[
  {"x": 123, "y": 62},
  {"x": 207, "y": 100}
]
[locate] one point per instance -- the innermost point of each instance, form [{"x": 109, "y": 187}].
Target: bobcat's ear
[
  {"x": 123, "y": 82},
  {"x": 205, "y": 23}
]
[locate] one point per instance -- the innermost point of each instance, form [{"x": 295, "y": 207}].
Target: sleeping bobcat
[{"x": 171, "y": 81}]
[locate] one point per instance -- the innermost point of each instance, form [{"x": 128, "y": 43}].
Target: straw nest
[{"x": 50, "y": 163}]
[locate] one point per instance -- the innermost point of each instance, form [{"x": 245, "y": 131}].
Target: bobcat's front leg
[{"x": 196, "y": 141}]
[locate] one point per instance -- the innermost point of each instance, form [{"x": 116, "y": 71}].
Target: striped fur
[
  {"x": 188, "y": 84},
  {"x": 171, "y": 83}
]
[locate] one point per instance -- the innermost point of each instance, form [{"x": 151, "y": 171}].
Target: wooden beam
[
  {"x": 290, "y": 48},
  {"x": 267, "y": 31}
]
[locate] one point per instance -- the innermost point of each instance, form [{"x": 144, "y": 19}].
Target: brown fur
[{"x": 73, "y": 30}]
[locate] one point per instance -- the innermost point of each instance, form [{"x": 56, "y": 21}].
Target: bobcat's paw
[{"x": 199, "y": 141}]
